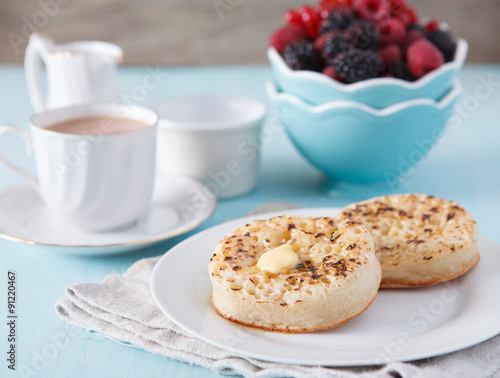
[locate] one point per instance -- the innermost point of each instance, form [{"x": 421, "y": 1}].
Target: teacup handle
[
  {"x": 32, "y": 67},
  {"x": 32, "y": 180}
]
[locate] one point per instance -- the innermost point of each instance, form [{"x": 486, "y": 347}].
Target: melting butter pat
[{"x": 278, "y": 260}]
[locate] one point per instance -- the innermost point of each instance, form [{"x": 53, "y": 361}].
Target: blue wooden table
[{"x": 464, "y": 167}]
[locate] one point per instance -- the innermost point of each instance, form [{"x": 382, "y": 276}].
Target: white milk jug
[{"x": 77, "y": 72}]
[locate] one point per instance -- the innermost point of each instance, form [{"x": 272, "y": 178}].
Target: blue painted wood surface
[{"x": 464, "y": 166}]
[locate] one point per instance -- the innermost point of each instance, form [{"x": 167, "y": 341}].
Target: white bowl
[{"x": 211, "y": 138}]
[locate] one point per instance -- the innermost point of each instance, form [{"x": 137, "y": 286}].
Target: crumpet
[
  {"x": 419, "y": 240},
  {"x": 333, "y": 278}
]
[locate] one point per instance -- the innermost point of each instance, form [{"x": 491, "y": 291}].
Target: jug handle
[
  {"x": 33, "y": 67},
  {"x": 31, "y": 179}
]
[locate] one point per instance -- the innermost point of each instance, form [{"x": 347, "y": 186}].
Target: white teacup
[
  {"x": 98, "y": 179},
  {"x": 214, "y": 139}
]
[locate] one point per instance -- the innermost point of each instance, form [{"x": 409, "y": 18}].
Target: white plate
[
  {"x": 179, "y": 204},
  {"x": 400, "y": 325}
]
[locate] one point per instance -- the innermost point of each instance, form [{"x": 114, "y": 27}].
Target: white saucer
[{"x": 179, "y": 204}]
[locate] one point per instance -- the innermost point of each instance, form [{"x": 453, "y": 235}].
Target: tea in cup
[{"x": 95, "y": 163}]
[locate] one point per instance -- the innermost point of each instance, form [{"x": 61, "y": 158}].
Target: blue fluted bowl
[
  {"x": 379, "y": 93},
  {"x": 354, "y": 143}
]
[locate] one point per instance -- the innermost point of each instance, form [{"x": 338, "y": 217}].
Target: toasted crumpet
[
  {"x": 420, "y": 240},
  {"x": 336, "y": 279}
]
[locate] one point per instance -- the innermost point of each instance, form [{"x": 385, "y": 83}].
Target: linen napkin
[{"x": 121, "y": 308}]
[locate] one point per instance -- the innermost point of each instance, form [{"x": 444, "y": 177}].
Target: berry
[
  {"x": 418, "y": 28},
  {"x": 356, "y": 65},
  {"x": 399, "y": 70},
  {"x": 301, "y": 56},
  {"x": 412, "y": 36},
  {"x": 347, "y": 3},
  {"x": 286, "y": 35},
  {"x": 335, "y": 43},
  {"x": 412, "y": 15},
  {"x": 364, "y": 35},
  {"x": 324, "y": 7},
  {"x": 339, "y": 18},
  {"x": 310, "y": 20},
  {"x": 393, "y": 32},
  {"x": 293, "y": 17},
  {"x": 423, "y": 57},
  {"x": 330, "y": 72},
  {"x": 444, "y": 42},
  {"x": 320, "y": 41},
  {"x": 397, "y": 6},
  {"x": 390, "y": 54},
  {"x": 408, "y": 16},
  {"x": 432, "y": 26},
  {"x": 376, "y": 11}
]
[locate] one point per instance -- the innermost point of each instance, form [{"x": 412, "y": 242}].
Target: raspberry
[
  {"x": 444, "y": 42},
  {"x": 390, "y": 54},
  {"x": 423, "y": 57},
  {"x": 286, "y": 35},
  {"x": 293, "y": 17},
  {"x": 397, "y": 6},
  {"x": 393, "y": 32},
  {"x": 408, "y": 16},
  {"x": 364, "y": 35},
  {"x": 301, "y": 56},
  {"x": 335, "y": 43},
  {"x": 412, "y": 36},
  {"x": 320, "y": 41},
  {"x": 339, "y": 18},
  {"x": 432, "y": 26},
  {"x": 399, "y": 70},
  {"x": 376, "y": 11},
  {"x": 330, "y": 72},
  {"x": 356, "y": 65}
]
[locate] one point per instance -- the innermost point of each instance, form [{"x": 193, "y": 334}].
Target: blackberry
[
  {"x": 444, "y": 42},
  {"x": 338, "y": 19},
  {"x": 417, "y": 27},
  {"x": 363, "y": 34},
  {"x": 302, "y": 56},
  {"x": 356, "y": 65},
  {"x": 334, "y": 45},
  {"x": 399, "y": 70}
]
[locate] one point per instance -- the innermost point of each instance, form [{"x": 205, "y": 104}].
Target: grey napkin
[{"x": 121, "y": 308}]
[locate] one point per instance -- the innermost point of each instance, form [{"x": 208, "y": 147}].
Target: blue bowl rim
[{"x": 444, "y": 102}]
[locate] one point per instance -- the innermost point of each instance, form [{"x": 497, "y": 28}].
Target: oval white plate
[
  {"x": 179, "y": 204},
  {"x": 400, "y": 325}
]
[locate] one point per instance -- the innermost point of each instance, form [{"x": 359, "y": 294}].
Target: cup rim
[
  {"x": 151, "y": 125},
  {"x": 208, "y": 126}
]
